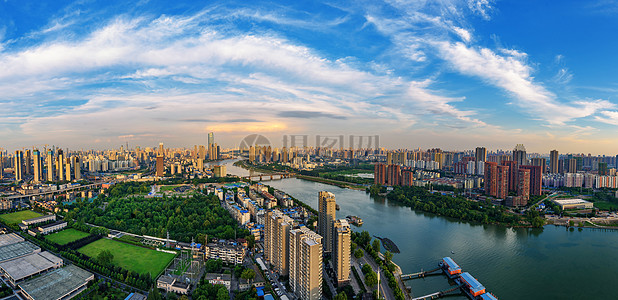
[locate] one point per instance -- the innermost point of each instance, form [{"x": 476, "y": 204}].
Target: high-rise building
[
  {"x": 305, "y": 263},
  {"x": 326, "y": 217},
  {"x": 512, "y": 174},
  {"x": 28, "y": 163},
  {"x": 480, "y": 154},
  {"x": 541, "y": 162},
  {"x": 211, "y": 139},
  {"x": 342, "y": 251},
  {"x": 37, "y": 166},
  {"x": 407, "y": 178},
  {"x": 572, "y": 165},
  {"x": 160, "y": 165},
  {"x": 1, "y": 164},
  {"x": 161, "y": 150},
  {"x": 276, "y": 240},
  {"x": 536, "y": 179},
  {"x": 503, "y": 182},
  {"x": 519, "y": 155},
  {"x": 553, "y": 162},
  {"x": 60, "y": 165},
  {"x": 50, "y": 165},
  {"x": 220, "y": 171},
  {"x": 523, "y": 188},
  {"x": 77, "y": 172},
  {"x": 491, "y": 178},
  {"x": 379, "y": 174},
  {"x": 603, "y": 168},
  {"x": 393, "y": 173},
  {"x": 252, "y": 154},
  {"x": 18, "y": 165},
  {"x": 67, "y": 169}
]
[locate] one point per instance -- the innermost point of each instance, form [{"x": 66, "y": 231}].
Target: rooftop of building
[
  {"x": 39, "y": 218},
  {"x": 18, "y": 249},
  {"x": 52, "y": 224},
  {"x": 30, "y": 264},
  {"x": 570, "y": 201},
  {"x": 211, "y": 276},
  {"x": 56, "y": 284},
  {"x": 166, "y": 279},
  {"x": 10, "y": 238}
]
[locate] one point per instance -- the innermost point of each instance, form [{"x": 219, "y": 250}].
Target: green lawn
[
  {"x": 130, "y": 257},
  {"x": 66, "y": 236},
  {"x": 17, "y": 217},
  {"x": 167, "y": 188}
]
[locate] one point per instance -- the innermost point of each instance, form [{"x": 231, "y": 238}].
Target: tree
[
  {"x": 248, "y": 274},
  {"x": 388, "y": 256},
  {"x": 341, "y": 296},
  {"x": 105, "y": 257},
  {"x": 154, "y": 294},
  {"x": 376, "y": 245},
  {"x": 250, "y": 241},
  {"x": 184, "y": 297},
  {"x": 359, "y": 253},
  {"x": 222, "y": 294},
  {"x": 371, "y": 279}
]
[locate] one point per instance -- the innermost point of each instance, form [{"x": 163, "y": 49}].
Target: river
[{"x": 549, "y": 263}]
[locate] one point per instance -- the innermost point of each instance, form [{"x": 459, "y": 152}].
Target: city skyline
[{"x": 453, "y": 74}]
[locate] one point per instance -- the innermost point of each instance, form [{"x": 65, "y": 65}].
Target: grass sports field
[
  {"x": 17, "y": 217},
  {"x": 66, "y": 236},
  {"x": 130, "y": 257}
]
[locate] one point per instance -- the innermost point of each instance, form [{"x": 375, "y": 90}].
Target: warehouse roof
[
  {"x": 10, "y": 238},
  {"x": 30, "y": 264},
  {"x": 16, "y": 250},
  {"x": 56, "y": 284}
]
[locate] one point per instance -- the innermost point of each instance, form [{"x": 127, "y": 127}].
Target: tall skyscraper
[
  {"x": 1, "y": 165},
  {"x": 67, "y": 169},
  {"x": 491, "y": 178},
  {"x": 160, "y": 165},
  {"x": 326, "y": 217},
  {"x": 480, "y": 154},
  {"x": 379, "y": 174},
  {"x": 503, "y": 182},
  {"x": 211, "y": 138},
  {"x": 77, "y": 172},
  {"x": 553, "y": 162},
  {"x": 276, "y": 240},
  {"x": 161, "y": 150},
  {"x": 342, "y": 251},
  {"x": 306, "y": 263},
  {"x": 19, "y": 165},
  {"x": 541, "y": 162},
  {"x": 28, "y": 163},
  {"x": 60, "y": 165},
  {"x": 519, "y": 155},
  {"x": 50, "y": 165},
  {"x": 536, "y": 179},
  {"x": 37, "y": 166},
  {"x": 512, "y": 174},
  {"x": 523, "y": 188},
  {"x": 572, "y": 168}
]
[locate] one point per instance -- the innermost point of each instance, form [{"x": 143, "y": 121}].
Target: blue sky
[{"x": 453, "y": 74}]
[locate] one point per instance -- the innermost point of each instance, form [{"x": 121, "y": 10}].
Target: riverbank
[{"x": 341, "y": 184}]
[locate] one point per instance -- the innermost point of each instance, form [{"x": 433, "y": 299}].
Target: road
[{"x": 385, "y": 290}]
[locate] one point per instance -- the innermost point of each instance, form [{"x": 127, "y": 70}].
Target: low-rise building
[
  {"x": 39, "y": 220},
  {"x": 573, "y": 204},
  {"x": 228, "y": 252},
  {"x": 49, "y": 228},
  {"x": 224, "y": 279},
  {"x": 29, "y": 266},
  {"x": 171, "y": 284}
]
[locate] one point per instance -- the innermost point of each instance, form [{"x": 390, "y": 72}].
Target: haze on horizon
[{"x": 453, "y": 74}]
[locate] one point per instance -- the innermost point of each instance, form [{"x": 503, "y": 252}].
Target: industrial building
[
  {"x": 39, "y": 220},
  {"x": 60, "y": 284},
  {"x": 29, "y": 266},
  {"x": 10, "y": 238},
  {"x": 17, "y": 250},
  {"x": 573, "y": 204}
]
